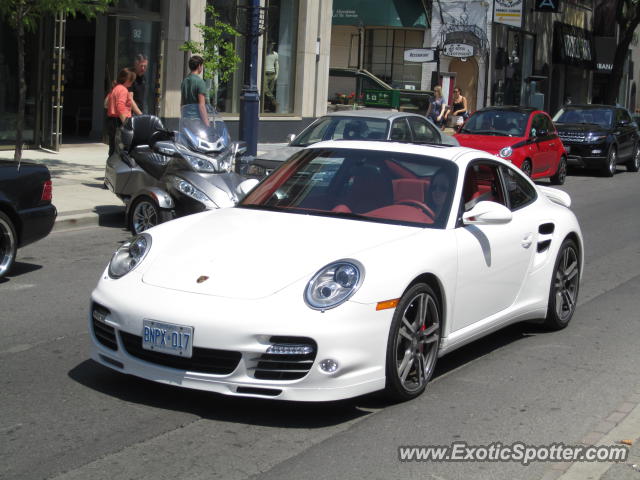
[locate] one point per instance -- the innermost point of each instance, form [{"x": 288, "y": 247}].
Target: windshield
[
  {"x": 598, "y": 116},
  {"x": 195, "y": 135},
  {"x": 342, "y": 128},
  {"x": 389, "y": 187},
  {"x": 497, "y": 122}
]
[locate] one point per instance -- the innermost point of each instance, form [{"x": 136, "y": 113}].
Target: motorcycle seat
[
  {"x": 152, "y": 163},
  {"x": 142, "y": 128}
]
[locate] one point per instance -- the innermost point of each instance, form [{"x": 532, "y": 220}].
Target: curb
[{"x": 111, "y": 215}]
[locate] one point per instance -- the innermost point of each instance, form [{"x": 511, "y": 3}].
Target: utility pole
[{"x": 250, "y": 97}]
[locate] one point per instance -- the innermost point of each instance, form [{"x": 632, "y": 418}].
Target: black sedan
[
  {"x": 26, "y": 212},
  {"x": 599, "y": 136}
]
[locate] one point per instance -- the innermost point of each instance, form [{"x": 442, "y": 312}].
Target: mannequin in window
[{"x": 271, "y": 68}]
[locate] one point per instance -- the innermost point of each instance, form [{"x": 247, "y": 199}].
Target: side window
[
  {"x": 619, "y": 117},
  {"x": 519, "y": 191},
  {"x": 482, "y": 183},
  {"x": 400, "y": 131},
  {"x": 422, "y": 131},
  {"x": 548, "y": 126},
  {"x": 626, "y": 117},
  {"x": 536, "y": 125}
]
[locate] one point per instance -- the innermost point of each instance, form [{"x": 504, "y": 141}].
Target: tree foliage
[
  {"x": 627, "y": 18},
  {"x": 217, "y": 48},
  {"x": 24, "y": 16}
]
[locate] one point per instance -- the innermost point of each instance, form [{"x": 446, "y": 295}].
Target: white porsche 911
[{"x": 350, "y": 269}]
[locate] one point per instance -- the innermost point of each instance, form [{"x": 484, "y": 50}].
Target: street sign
[
  {"x": 547, "y": 6},
  {"x": 458, "y": 50},
  {"x": 420, "y": 55},
  {"x": 508, "y": 12}
]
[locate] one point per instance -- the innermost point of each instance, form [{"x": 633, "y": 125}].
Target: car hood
[
  {"x": 279, "y": 154},
  {"x": 487, "y": 143},
  {"x": 580, "y": 127},
  {"x": 250, "y": 254}
]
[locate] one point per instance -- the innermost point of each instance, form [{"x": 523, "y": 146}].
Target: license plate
[
  {"x": 567, "y": 148},
  {"x": 167, "y": 338}
]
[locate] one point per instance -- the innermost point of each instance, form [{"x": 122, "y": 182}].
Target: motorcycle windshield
[{"x": 196, "y": 135}]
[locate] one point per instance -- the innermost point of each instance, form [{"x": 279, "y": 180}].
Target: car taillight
[{"x": 47, "y": 191}]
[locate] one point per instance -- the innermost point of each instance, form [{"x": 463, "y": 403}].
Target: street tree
[
  {"x": 627, "y": 18},
  {"x": 24, "y": 16},
  {"x": 217, "y": 49}
]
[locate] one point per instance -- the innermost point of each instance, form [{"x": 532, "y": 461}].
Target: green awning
[{"x": 391, "y": 13}]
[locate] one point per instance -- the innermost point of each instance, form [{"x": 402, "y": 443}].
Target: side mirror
[
  {"x": 245, "y": 187},
  {"x": 165, "y": 148},
  {"x": 238, "y": 148},
  {"x": 290, "y": 138},
  {"x": 487, "y": 213}
]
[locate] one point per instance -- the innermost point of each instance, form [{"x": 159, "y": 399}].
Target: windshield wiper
[{"x": 479, "y": 132}]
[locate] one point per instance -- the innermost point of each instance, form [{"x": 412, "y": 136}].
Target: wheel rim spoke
[{"x": 417, "y": 341}]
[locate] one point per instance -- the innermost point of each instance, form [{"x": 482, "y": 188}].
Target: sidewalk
[{"x": 77, "y": 174}]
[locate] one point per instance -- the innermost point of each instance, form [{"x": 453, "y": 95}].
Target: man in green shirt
[{"x": 193, "y": 88}]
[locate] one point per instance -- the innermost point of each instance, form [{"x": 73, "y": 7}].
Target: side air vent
[
  {"x": 546, "y": 228},
  {"x": 543, "y": 246}
]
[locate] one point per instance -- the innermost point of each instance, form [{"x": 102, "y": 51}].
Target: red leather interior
[{"x": 410, "y": 189}]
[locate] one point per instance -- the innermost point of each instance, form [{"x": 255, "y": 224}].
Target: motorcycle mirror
[
  {"x": 245, "y": 187},
  {"x": 238, "y": 148},
  {"x": 165, "y": 148},
  {"x": 290, "y": 138}
]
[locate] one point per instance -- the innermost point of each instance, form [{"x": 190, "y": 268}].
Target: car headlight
[
  {"x": 200, "y": 164},
  {"x": 594, "y": 137},
  {"x": 129, "y": 255},
  {"x": 506, "y": 152},
  {"x": 334, "y": 284},
  {"x": 188, "y": 189}
]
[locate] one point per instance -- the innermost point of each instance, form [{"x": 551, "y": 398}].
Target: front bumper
[
  {"x": 586, "y": 156},
  {"x": 354, "y": 335}
]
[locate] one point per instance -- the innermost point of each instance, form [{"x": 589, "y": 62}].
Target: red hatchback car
[{"x": 523, "y": 135}]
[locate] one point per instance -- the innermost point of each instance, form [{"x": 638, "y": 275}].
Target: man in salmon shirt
[{"x": 119, "y": 105}]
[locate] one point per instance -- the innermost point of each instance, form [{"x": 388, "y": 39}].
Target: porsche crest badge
[{"x": 202, "y": 278}]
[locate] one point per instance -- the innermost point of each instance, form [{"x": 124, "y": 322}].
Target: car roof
[
  {"x": 588, "y": 106},
  {"x": 446, "y": 152},
  {"x": 509, "y": 108},
  {"x": 372, "y": 113}
]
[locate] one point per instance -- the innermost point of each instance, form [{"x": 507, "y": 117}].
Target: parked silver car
[{"x": 367, "y": 124}]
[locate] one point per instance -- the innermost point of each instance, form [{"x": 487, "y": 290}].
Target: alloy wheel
[
  {"x": 144, "y": 216},
  {"x": 612, "y": 162},
  {"x": 7, "y": 245},
  {"x": 566, "y": 284},
  {"x": 416, "y": 343}
]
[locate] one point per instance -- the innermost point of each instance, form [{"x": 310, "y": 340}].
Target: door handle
[{"x": 527, "y": 241}]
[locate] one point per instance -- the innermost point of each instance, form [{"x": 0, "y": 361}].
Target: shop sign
[
  {"x": 508, "y": 12},
  {"x": 547, "y": 6},
  {"x": 573, "y": 46},
  {"x": 420, "y": 55},
  {"x": 459, "y": 50}
]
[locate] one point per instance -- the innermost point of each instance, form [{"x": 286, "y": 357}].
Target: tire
[
  {"x": 145, "y": 213},
  {"x": 561, "y": 174},
  {"x": 8, "y": 244},
  {"x": 413, "y": 343},
  {"x": 565, "y": 284},
  {"x": 609, "y": 168},
  {"x": 527, "y": 168},
  {"x": 633, "y": 165}
]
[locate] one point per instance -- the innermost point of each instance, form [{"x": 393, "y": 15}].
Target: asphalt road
[{"x": 65, "y": 417}]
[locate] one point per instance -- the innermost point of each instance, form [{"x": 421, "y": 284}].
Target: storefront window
[
  {"x": 9, "y": 86},
  {"x": 278, "y": 56},
  {"x": 384, "y": 56}
]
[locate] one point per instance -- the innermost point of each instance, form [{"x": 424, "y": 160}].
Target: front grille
[
  {"x": 203, "y": 360},
  {"x": 576, "y": 137},
  {"x": 285, "y": 367},
  {"x": 104, "y": 333}
]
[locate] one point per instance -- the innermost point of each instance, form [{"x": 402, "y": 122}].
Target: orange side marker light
[{"x": 387, "y": 304}]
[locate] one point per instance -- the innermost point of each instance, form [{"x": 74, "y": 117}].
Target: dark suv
[{"x": 599, "y": 136}]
